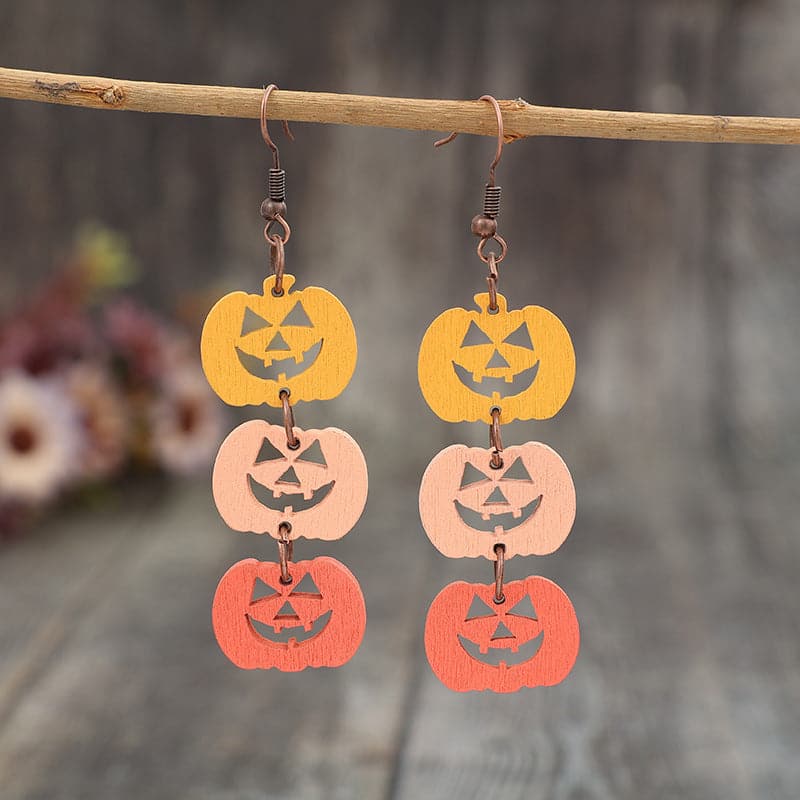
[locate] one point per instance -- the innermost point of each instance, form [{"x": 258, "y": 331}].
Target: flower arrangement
[{"x": 94, "y": 387}]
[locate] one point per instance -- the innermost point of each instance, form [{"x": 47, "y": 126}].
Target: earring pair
[{"x": 287, "y": 345}]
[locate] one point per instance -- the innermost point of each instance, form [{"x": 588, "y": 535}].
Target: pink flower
[{"x": 104, "y": 416}]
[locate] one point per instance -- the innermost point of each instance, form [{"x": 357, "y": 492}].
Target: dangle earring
[
  {"x": 277, "y": 348},
  {"x": 497, "y": 365}
]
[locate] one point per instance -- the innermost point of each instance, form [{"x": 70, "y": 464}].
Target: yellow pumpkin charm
[
  {"x": 521, "y": 361},
  {"x": 255, "y": 345}
]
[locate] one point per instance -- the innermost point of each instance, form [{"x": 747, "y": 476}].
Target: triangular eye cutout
[
  {"x": 524, "y": 608},
  {"x": 261, "y": 590},
  {"x": 313, "y": 455},
  {"x": 478, "y": 609},
  {"x": 307, "y": 586},
  {"x": 471, "y": 476},
  {"x": 517, "y": 472},
  {"x": 520, "y": 336},
  {"x": 297, "y": 316},
  {"x": 268, "y": 452},
  {"x": 474, "y": 335},
  {"x": 252, "y": 322}
]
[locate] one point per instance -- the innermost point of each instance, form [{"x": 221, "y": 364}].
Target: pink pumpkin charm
[
  {"x": 319, "y": 488},
  {"x": 467, "y": 507}
]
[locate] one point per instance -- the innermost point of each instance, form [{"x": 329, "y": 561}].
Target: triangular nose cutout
[
  {"x": 278, "y": 343},
  {"x": 290, "y": 476},
  {"x": 496, "y": 497},
  {"x": 501, "y": 632},
  {"x": 286, "y": 610},
  {"x": 496, "y": 360}
]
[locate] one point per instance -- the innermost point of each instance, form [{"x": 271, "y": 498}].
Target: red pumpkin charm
[
  {"x": 319, "y": 488},
  {"x": 467, "y": 507},
  {"x": 317, "y": 620},
  {"x": 530, "y": 639}
]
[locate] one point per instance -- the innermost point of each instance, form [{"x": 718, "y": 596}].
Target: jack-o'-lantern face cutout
[
  {"x": 254, "y": 345},
  {"x": 320, "y": 487},
  {"x": 317, "y": 620},
  {"x": 530, "y": 639},
  {"x": 467, "y": 507},
  {"x": 520, "y": 361}
]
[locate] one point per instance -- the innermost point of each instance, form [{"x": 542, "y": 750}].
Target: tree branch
[{"x": 465, "y": 116}]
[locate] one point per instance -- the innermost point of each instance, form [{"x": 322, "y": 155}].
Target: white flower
[
  {"x": 39, "y": 438},
  {"x": 186, "y": 422}
]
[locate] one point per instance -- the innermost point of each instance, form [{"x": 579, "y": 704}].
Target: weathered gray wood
[
  {"x": 675, "y": 268},
  {"x": 137, "y": 700}
]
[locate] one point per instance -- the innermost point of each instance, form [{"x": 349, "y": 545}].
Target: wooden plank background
[{"x": 675, "y": 268}]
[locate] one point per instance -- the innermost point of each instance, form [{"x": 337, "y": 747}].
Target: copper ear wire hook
[
  {"x": 500, "y": 137},
  {"x": 484, "y": 225},
  {"x": 273, "y": 208},
  {"x": 276, "y": 158}
]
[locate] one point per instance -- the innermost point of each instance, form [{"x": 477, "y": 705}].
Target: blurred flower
[
  {"x": 39, "y": 439},
  {"x": 137, "y": 338},
  {"x": 88, "y": 391},
  {"x": 104, "y": 258},
  {"x": 187, "y": 422},
  {"x": 103, "y": 414},
  {"x": 39, "y": 344}
]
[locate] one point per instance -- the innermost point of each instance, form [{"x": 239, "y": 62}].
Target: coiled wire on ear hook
[
  {"x": 274, "y": 207},
  {"x": 484, "y": 225},
  {"x": 491, "y": 200}
]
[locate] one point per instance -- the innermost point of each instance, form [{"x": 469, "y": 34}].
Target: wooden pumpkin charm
[
  {"x": 254, "y": 345},
  {"x": 467, "y": 507},
  {"x": 317, "y": 620},
  {"x": 319, "y": 488},
  {"x": 530, "y": 639},
  {"x": 520, "y": 361}
]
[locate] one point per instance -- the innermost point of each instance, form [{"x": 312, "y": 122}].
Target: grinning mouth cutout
[
  {"x": 281, "y": 367},
  {"x": 495, "y": 656},
  {"x": 295, "y": 502},
  {"x": 295, "y": 633},
  {"x": 506, "y": 520},
  {"x": 488, "y": 386}
]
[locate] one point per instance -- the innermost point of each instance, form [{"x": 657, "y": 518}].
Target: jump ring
[
  {"x": 277, "y": 262},
  {"x": 499, "y": 570},
  {"x": 495, "y": 440},
  {"x": 285, "y": 551},
  {"x": 287, "y": 231},
  {"x": 499, "y": 256},
  {"x": 292, "y": 442}
]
